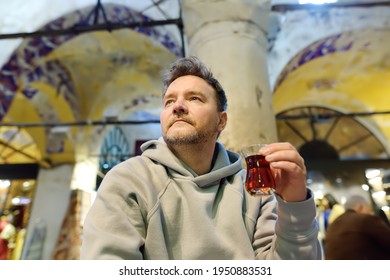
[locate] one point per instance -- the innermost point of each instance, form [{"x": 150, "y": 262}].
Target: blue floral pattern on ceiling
[
  {"x": 24, "y": 65},
  {"x": 332, "y": 44}
]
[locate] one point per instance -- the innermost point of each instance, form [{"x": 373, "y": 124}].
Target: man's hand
[{"x": 289, "y": 170}]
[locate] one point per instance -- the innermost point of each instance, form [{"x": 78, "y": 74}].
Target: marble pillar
[{"x": 231, "y": 38}]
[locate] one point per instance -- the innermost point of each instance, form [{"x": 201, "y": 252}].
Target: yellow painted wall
[{"x": 357, "y": 80}]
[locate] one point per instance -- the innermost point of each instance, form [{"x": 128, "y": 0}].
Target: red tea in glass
[{"x": 259, "y": 179}]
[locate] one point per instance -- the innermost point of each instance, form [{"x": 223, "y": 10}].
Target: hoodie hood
[{"x": 226, "y": 164}]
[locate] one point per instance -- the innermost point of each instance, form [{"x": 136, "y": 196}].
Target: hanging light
[
  {"x": 372, "y": 173},
  {"x": 5, "y": 184}
]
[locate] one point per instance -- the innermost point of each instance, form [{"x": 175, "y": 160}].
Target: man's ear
[{"x": 222, "y": 121}]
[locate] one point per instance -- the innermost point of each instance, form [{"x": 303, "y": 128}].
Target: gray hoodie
[{"x": 154, "y": 207}]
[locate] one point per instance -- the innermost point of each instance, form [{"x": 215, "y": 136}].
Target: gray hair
[
  {"x": 355, "y": 200},
  {"x": 191, "y": 65}
]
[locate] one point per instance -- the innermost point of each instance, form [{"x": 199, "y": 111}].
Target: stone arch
[
  {"x": 348, "y": 71},
  {"x": 36, "y": 72}
]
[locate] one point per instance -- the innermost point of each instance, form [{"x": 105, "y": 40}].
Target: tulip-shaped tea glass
[{"x": 259, "y": 179}]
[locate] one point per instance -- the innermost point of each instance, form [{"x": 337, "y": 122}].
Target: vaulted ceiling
[
  {"x": 339, "y": 87},
  {"x": 96, "y": 69},
  {"x": 79, "y": 79}
]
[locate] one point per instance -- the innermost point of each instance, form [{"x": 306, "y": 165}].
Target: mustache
[{"x": 177, "y": 118}]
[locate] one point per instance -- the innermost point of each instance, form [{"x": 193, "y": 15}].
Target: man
[
  {"x": 184, "y": 197},
  {"x": 357, "y": 234}
]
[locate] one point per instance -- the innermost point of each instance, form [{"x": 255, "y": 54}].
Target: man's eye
[
  {"x": 195, "y": 98},
  {"x": 168, "y": 102}
]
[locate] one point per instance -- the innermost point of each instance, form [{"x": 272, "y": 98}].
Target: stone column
[
  {"x": 51, "y": 201},
  {"x": 231, "y": 38}
]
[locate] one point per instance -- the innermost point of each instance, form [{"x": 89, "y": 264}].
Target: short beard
[
  {"x": 192, "y": 139},
  {"x": 199, "y": 137}
]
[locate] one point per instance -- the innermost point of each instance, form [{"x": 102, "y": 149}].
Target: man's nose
[{"x": 180, "y": 107}]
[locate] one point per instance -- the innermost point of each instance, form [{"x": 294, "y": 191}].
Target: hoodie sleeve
[
  {"x": 114, "y": 227},
  {"x": 288, "y": 233}
]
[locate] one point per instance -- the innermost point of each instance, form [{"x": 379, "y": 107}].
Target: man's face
[{"x": 190, "y": 114}]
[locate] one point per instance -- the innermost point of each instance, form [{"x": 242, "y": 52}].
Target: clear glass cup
[{"x": 259, "y": 179}]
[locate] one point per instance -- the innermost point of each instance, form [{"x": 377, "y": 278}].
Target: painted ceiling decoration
[
  {"x": 83, "y": 77},
  {"x": 72, "y": 77},
  {"x": 323, "y": 47},
  {"x": 348, "y": 73},
  {"x": 28, "y": 63}
]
